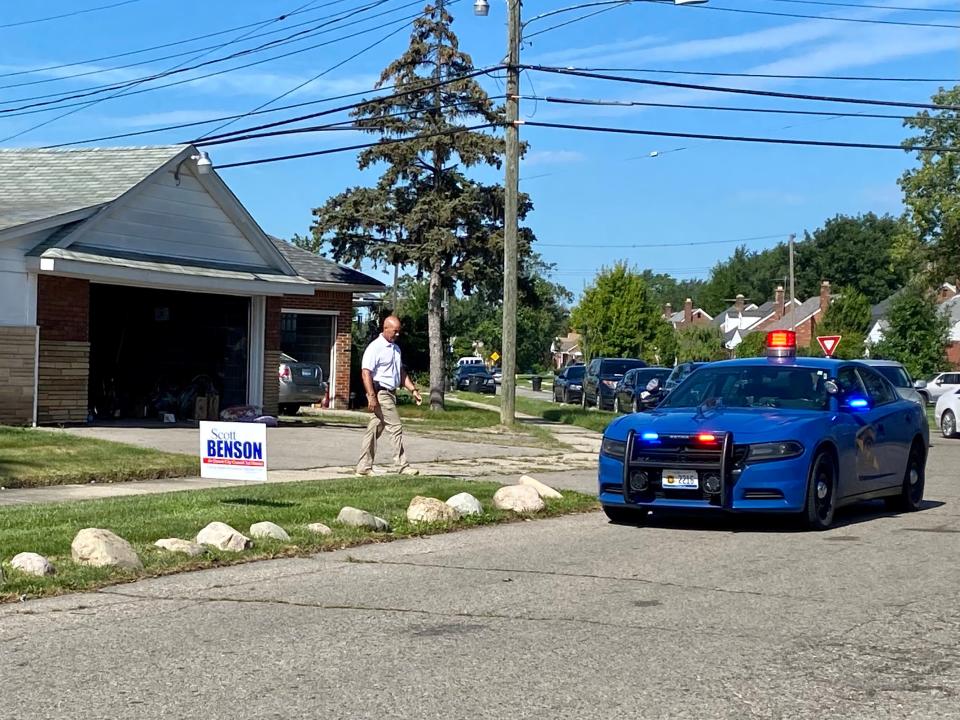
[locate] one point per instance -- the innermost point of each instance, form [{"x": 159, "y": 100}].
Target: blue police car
[{"x": 778, "y": 434}]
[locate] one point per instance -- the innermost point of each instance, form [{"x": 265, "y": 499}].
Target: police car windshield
[
  {"x": 894, "y": 374},
  {"x": 752, "y": 386}
]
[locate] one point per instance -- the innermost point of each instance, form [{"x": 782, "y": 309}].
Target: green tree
[
  {"x": 849, "y": 317},
  {"x": 700, "y": 343},
  {"x": 753, "y": 345},
  {"x": 616, "y": 316},
  {"x": 917, "y": 333},
  {"x": 425, "y": 213},
  {"x": 931, "y": 191}
]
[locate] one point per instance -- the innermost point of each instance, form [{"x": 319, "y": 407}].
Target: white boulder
[
  {"x": 319, "y": 529},
  {"x": 181, "y": 546},
  {"x": 223, "y": 537},
  {"x": 32, "y": 564},
  {"x": 353, "y": 517},
  {"x": 544, "y": 491},
  {"x": 269, "y": 530},
  {"x": 518, "y": 498},
  {"x": 428, "y": 509},
  {"x": 101, "y": 548},
  {"x": 465, "y": 504}
]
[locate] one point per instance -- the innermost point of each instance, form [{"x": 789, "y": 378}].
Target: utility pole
[
  {"x": 511, "y": 194},
  {"x": 792, "y": 294}
]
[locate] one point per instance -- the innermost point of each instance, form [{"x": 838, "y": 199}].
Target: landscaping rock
[
  {"x": 223, "y": 537},
  {"x": 269, "y": 530},
  {"x": 101, "y": 548},
  {"x": 465, "y": 504},
  {"x": 428, "y": 509},
  {"x": 319, "y": 529},
  {"x": 352, "y": 517},
  {"x": 33, "y": 564},
  {"x": 518, "y": 498},
  {"x": 544, "y": 491},
  {"x": 181, "y": 546}
]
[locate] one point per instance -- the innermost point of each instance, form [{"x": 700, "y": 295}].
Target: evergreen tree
[
  {"x": 424, "y": 211},
  {"x": 917, "y": 333},
  {"x": 849, "y": 317}
]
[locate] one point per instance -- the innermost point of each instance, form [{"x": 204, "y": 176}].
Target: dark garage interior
[{"x": 156, "y": 351}]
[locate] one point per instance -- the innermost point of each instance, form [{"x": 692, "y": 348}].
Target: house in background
[
  {"x": 949, "y": 305},
  {"x": 803, "y": 318},
  {"x": 686, "y": 317},
  {"x": 742, "y": 317},
  {"x": 128, "y": 274},
  {"x": 566, "y": 350}
]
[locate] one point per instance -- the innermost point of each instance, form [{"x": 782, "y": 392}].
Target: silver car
[
  {"x": 896, "y": 373},
  {"x": 301, "y": 383}
]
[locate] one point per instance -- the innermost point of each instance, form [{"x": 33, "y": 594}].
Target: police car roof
[{"x": 803, "y": 362}]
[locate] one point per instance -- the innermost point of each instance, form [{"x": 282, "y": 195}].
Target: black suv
[{"x": 601, "y": 378}]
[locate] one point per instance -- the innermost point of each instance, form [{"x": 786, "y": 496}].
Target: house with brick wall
[
  {"x": 804, "y": 317},
  {"x": 743, "y": 316},
  {"x": 130, "y": 275},
  {"x": 690, "y": 315}
]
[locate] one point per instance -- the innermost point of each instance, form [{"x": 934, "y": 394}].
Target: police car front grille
[{"x": 679, "y": 452}]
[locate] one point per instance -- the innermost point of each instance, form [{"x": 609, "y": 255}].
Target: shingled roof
[
  {"x": 319, "y": 269},
  {"x": 37, "y": 184}
]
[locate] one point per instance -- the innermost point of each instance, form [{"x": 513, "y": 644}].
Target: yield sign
[{"x": 828, "y": 343}]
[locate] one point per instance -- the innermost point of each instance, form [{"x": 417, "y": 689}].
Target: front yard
[
  {"x": 48, "y": 529},
  {"x": 595, "y": 420}
]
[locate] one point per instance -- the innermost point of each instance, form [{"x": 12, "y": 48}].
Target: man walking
[{"x": 382, "y": 374}]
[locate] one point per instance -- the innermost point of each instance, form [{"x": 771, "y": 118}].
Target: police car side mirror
[{"x": 831, "y": 387}]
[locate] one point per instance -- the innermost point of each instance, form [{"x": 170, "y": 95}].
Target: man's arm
[
  {"x": 407, "y": 382},
  {"x": 367, "y": 376}
]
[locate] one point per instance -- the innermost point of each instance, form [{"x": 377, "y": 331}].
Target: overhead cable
[
  {"x": 775, "y": 76},
  {"x": 826, "y": 18},
  {"x": 69, "y": 14}
]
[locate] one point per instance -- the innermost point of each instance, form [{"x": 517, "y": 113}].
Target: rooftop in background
[{"x": 319, "y": 269}]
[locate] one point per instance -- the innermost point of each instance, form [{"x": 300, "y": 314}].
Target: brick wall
[
  {"x": 271, "y": 386},
  {"x": 342, "y": 303},
  {"x": 17, "y": 360},
  {"x": 953, "y": 355},
  {"x": 63, "y": 314}
]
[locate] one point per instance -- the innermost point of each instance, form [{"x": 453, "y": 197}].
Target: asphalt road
[{"x": 571, "y": 617}]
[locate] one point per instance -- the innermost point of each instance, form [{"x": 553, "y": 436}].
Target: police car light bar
[{"x": 781, "y": 343}]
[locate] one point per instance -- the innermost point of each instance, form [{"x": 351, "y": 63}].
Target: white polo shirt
[{"x": 382, "y": 359}]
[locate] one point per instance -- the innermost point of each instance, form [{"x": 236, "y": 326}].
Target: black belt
[{"x": 380, "y": 388}]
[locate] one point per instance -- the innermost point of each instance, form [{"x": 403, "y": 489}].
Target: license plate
[
  {"x": 306, "y": 372},
  {"x": 680, "y": 479}
]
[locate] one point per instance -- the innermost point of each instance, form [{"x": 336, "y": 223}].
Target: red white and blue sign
[{"x": 233, "y": 451}]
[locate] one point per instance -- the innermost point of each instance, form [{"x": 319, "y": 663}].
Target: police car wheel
[
  {"x": 620, "y": 515},
  {"x": 910, "y": 497},
  {"x": 821, "y": 492}
]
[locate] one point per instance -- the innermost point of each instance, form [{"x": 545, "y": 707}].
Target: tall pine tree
[{"x": 425, "y": 212}]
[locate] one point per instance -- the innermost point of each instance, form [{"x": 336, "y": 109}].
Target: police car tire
[
  {"x": 620, "y": 515},
  {"x": 815, "y": 516},
  {"x": 910, "y": 497}
]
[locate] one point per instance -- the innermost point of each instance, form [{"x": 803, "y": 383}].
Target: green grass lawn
[
  {"x": 596, "y": 420},
  {"x": 31, "y": 458},
  {"x": 49, "y": 528}
]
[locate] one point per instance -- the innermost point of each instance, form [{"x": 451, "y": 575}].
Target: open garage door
[
  {"x": 154, "y": 351},
  {"x": 308, "y": 336}
]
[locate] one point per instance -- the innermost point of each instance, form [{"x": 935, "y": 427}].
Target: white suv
[{"x": 943, "y": 383}]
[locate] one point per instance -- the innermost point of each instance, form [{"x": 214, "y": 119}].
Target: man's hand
[
  {"x": 417, "y": 396},
  {"x": 373, "y": 404}
]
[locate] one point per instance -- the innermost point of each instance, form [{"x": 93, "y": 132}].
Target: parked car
[
  {"x": 568, "y": 384},
  {"x": 946, "y": 413},
  {"x": 601, "y": 378},
  {"x": 634, "y": 383},
  {"x": 945, "y": 382},
  {"x": 471, "y": 360},
  {"x": 301, "y": 383},
  {"x": 464, "y": 374},
  {"x": 679, "y": 374},
  {"x": 907, "y": 387},
  {"x": 497, "y": 374}
]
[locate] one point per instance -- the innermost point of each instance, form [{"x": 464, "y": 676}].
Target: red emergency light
[
  {"x": 781, "y": 343},
  {"x": 707, "y": 437}
]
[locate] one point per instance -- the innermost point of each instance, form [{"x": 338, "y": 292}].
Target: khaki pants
[{"x": 386, "y": 418}]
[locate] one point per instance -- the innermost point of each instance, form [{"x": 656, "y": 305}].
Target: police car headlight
[
  {"x": 616, "y": 449},
  {"x": 761, "y": 452}
]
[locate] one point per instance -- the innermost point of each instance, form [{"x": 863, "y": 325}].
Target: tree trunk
[{"x": 435, "y": 333}]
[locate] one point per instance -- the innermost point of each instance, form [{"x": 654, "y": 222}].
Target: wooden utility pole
[
  {"x": 511, "y": 195},
  {"x": 792, "y": 293}
]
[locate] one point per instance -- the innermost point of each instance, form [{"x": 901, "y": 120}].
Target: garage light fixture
[{"x": 204, "y": 165}]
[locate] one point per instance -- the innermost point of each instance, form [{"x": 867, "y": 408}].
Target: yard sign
[{"x": 233, "y": 451}]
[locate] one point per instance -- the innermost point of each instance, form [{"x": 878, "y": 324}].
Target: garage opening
[
  {"x": 156, "y": 351},
  {"x": 309, "y": 338}
]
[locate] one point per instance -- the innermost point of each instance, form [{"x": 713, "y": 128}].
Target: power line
[
  {"x": 672, "y": 244},
  {"x": 739, "y": 91},
  {"x": 776, "y": 76},
  {"x": 743, "y": 138},
  {"x": 360, "y": 146},
  {"x": 872, "y": 7},
  {"x": 183, "y": 41},
  {"x": 179, "y": 69},
  {"x": 69, "y": 14},
  {"x": 831, "y": 18},
  {"x": 576, "y": 19},
  {"x": 274, "y": 43}
]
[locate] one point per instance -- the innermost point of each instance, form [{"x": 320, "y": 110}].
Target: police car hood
[{"x": 746, "y": 424}]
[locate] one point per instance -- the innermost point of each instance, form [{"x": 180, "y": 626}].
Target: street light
[{"x": 512, "y": 183}]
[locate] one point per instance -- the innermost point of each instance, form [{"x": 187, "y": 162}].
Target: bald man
[{"x": 382, "y": 374}]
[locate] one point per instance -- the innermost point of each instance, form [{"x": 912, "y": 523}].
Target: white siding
[
  {"x": 18, "y": 288},
  {"x": 177, "y": 222}
]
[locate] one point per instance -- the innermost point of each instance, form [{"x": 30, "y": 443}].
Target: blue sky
[{"x": 594, "y": 194}]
